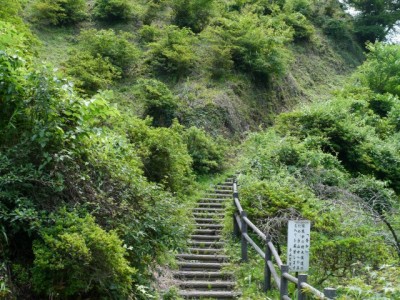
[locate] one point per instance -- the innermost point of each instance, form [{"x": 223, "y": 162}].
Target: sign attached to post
[{"x": 298, "y": 245}]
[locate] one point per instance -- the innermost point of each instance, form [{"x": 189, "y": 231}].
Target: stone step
[
  {"x": 207, "y": 220},
  {"x": 207, "y": 284},
  {"x": 208, "y": 294},
  {"x": 203, "y": 274},
  {"x": 222, "y": 191},
  {"x": 205, "y": 250},
  {"x": 206, "y": 244},
  {"x": 213, "y": 200},
  {"x": 205, "y": 237},
  {"x": 205, "y": 209},
  {"x": 209, "y": 226},
  {"x": 206, "y": 204},
  {"x": 206, "y": 214},
  {"x": 203, "y": 257},
  {"x": 207, "y": 231},
  {"x": 183, "y": 265},
  {"x": 218, "y": 195}
]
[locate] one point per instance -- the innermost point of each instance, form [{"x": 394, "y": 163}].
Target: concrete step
[
  {"x": 223, "y": 191},
  {"x": 208, "y": 294},
  {"x": 209, "y": 210},
  {"x": 205, "y": 237},
  {"x": 183, "y": 265},
  {"x": 207, "y": 231},
  {"x": 213, "y": 200},
  {"x": 210, "y": 204},
  {"x": 206, "y": 244},
  {"x": 207, "y": 215},
  {"x": 207, "y": 220},
  {"x": 205, "y": 250},
  {"x": 207, "y": 284},
  {"x": 209, "y": 226},
  {"x": 206, "y": 257},
  {"x": 203, "y": 274},
  {"x": 218, "y": 195}
]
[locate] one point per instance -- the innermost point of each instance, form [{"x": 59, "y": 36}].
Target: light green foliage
[
  {"x": 380, "y": 71},
  {"x": 207, "y": 153},
  {"x": 112, "y": 10},
  {"x": 116, "y": 47},
  {"x": 173, "y": 52},
  {"x": 59, "y": 12},
  {"x": 75, "y": 256},
  {"x": 168, "y": 161},
  {"x": 159, "y": 103},
  {"x": 193, "y": 14},
  {"x": 256, "y": 42},
  {"x": 91, "y": 73}
]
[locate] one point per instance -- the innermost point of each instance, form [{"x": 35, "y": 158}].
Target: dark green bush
[
  {"x": 59, "y": 12},
  {"x": 207, "y": 154},
  {"x": 91, "y": 73},
  {"x": 112, "y": 10},
  {"x": 174, "y": 52},
  {"x": 117, "y": 48},
  {"x": 193, "y": 14},
  {"x": 159, "y": 103},
  {"x": 303, "y": 29},
  {"x": 75, "y": 257}
]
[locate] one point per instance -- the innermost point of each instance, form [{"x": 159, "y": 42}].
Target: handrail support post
[
  {"x": 284, "y": 282},
  {"x": 330, "y": 293},
  {"x": 300, "y": 292},
  {"x": 267, "y": 271},
  {"x": 244, "y": 241}
]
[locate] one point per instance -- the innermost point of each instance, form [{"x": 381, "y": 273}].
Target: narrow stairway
[{"x": 200, "y": 270}]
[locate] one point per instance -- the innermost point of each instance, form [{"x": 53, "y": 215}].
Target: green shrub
[
  {"x": 112, "y": 10},
  {"x": 173, "y": 53},
  {"x": 159, "y": 103},
  {"x": 193, "y": 14},
  {"x": 76, "y": 257},
  {"x": 59, "y": 12},
  {"x": 303, "y": 29},
  {"x": 257, "y": 43},
  {"x": 207, "y": 154},
  {"x": 117, "y": 48},
  {"x": 91, "y": 73}
]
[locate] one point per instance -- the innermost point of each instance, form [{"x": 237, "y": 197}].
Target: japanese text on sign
[{"x": 298, "y": 245}]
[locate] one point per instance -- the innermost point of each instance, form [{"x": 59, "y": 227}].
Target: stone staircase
[{"x": 200, "y": 274}]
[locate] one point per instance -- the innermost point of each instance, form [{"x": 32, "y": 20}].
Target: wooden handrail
[{"x": 241, "y": 224}]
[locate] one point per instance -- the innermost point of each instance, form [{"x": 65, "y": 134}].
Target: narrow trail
[{"x": 201, "y": 274}]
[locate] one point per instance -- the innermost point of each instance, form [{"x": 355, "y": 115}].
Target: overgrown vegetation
[
  {"x": 337, "y": 164},
  {"x": 96, "y": 169}
]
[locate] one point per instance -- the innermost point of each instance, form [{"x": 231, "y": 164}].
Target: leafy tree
[
  {"x": 376, "y": 18},
  {"x": 194, "y": 14},
  {"x": 159, "y": 103},
  {"x": 59, "y": 12},
  {"x": 112, "y": 10}
]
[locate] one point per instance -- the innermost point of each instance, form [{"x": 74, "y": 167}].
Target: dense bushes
[
  {"x": 337, "y": 164},
  {"x": 75, "y": 256},
  {"x": 194, "y": 14},
  {"x": 112, "y": 10},
  {"x": 59, "y": 12}
]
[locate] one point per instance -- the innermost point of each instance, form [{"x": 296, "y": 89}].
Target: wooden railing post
[
  {"x": 244, "y": 241},
  {"x": 300, "y": 294},
  {"x": 267, "y": 271},
  {"x": 236, "y": 229},
  {"x": 330, "y": 293},
  {"x": 284, "y": 281}
]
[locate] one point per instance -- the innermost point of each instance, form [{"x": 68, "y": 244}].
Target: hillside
[{"x": 116, "y": 116}]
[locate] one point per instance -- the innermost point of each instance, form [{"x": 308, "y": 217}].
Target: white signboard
[{"x": 298, "y": 245}]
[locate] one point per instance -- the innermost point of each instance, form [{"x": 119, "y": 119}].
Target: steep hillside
[{"x": 245, "y": 62}]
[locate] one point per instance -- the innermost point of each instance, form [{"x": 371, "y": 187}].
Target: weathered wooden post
[
  {"x": 267, "y": 271},
  {"x": 300, "y": 294},
  {"x": 284, "y": 281},
  {"x": 330, "y": 293},
  {"x": 244, "y": 241},
  {"x": 236, "y": 229}
]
